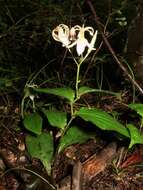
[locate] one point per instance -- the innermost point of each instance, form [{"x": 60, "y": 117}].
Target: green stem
[
  {"x": 67, "y": 126},
  {"x": 22, "y": 106},
  {"x": 77, "y": 81},
  {"x": 63, "y": 133},
  {"x": 72, "y": 111},
  {"x": 78, "y": 64}
]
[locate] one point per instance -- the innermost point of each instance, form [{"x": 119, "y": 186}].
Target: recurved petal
[
  {"x": 63, "y": 37},
  {"x": 55, "y": 34},
  {"x": 90, "y": 30},
  {"x": 61, "y": 34},
  {"x": 77, "y": 27}
]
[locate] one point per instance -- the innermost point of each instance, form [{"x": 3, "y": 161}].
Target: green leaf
[
  {"x": 74, "y": 135},
  {"x": 136, "y": 136},
  {"x": 33, "y": 123},
  {"x": 102, "y": 120},
  {"x": 41, "y": 147},
  {"x": 67, "y": 93},
  {"x": 84, "y": 90},
  {"x": 56, "y": 118},
  {"x": 138, "y": 108}
]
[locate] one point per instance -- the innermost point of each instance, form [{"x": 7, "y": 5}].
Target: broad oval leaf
[
  {"x": 85, "y": 89},
  {"x": 138, "y": 108},
  {"x": 102, "y": 120},
  {"x": 74, "y": 135},
  {"x": 67, "y": 93},
  {"x": 41, "y": 147},
  {"x": 56, "y": 118},
  {"x": 33, "y": 123},
  {"x": 136, "y": 136}
]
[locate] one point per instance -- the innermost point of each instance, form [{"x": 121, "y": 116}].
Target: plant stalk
[{"x": 77, "y": 81}]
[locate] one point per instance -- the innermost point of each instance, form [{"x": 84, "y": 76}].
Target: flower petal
[
  {"x": 91, "y": 47},
  {"x": 81, "y": 45},
  {"x": 55, "y": 34},
  {"x": 61, "y": 34},
  {"x": 90, "y": 30},
  {"x": 94, "y": 39}
]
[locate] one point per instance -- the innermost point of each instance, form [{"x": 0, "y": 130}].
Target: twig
[
  {"x": 111, "y": 49},
  {"x": 76, "y": 176}
]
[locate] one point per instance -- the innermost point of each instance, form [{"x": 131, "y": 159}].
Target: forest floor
[{"x": 95, "y": 165}]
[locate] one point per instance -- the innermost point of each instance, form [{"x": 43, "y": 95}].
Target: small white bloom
[
  {"x": 61, "y": 34},
  {"x": 81, "y": 42}
]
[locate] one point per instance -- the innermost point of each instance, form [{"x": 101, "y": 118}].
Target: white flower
[
  {"x": 61, "y": 34},
  {"x": 75, "y": 37},
  {"x": 81, "y": 42}
]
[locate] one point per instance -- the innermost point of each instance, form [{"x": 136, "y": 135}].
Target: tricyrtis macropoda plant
[{"x": 40, "y": 143}]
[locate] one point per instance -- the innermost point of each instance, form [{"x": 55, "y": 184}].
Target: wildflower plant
[{"x": 41, "y": 143}]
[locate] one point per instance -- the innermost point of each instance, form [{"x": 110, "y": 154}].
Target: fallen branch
[{"x": 111, "y": 49}]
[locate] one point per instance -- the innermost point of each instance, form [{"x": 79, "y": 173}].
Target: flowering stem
[
  {"x": 78, "y": 64},
  {"x": 77, "y": 80}
]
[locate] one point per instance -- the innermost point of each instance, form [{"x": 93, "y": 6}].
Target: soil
[{"x": 95, "y": 165}]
